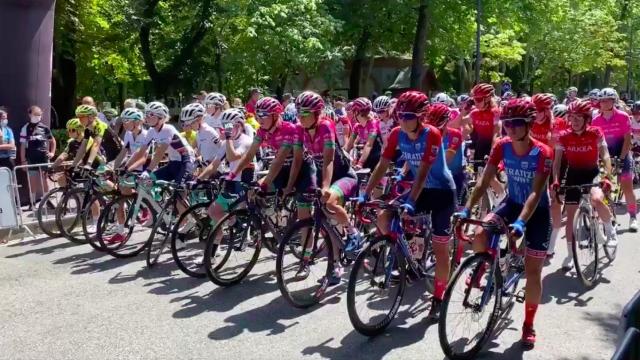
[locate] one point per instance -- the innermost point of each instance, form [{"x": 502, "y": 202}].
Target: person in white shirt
[{"x": 214, "y": 105}]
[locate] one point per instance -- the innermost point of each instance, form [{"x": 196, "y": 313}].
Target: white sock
[
  {"x": 120, "y": 228},
  {"x": 569, "y": 249},
  {"x": 608, "y": 228},
  {"x": 555, "y": 232}
]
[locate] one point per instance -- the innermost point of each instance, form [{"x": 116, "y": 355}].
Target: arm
[
  {"x": 366, "y": 150},
  {"x": 157, "y": 156},
  {"x": 277, "y": 163},
  {"x": 606, "y": 159},
  {"x": 136, "y": 158},
  {"x": 232, "y": 155},
  {"x": 97, "y": 141},
  {"x": 8, "y": 146},
  {"x": 80, "y": 154},
  {"x": 247, "y": 157},
  {"x": 327, "y": 167},
  {"x": 210, "y": 169},
  {"x": 557, "y": 164},
  {"x": 118, "y": 160},
  {"x": 539, "y": 184},
  {"x": 349, "y": 145},
  {"x": 496, "y": 132},
  {"x": 296, "y": 165},
  {"x": 52, "y": 146},
  {"x": 626, "y": 146}
]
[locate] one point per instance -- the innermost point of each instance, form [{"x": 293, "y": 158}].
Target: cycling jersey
[
  {"x": 132, "y": 142},
  {"x": 111, "y": 144},
  {"x": 325, "y": 137},
  {"x": 178, "y": 149},
  {"x": 35, "y": 138},
  {"x": 209, "y": 143},
  {"x": 522, "y": 169},
  {"x": 453, "y": 142},
  {"x": 363, "y": 133},
  {"x": 548, "y": 132},
  {"x": 427, "y": 148},
  {"x": 241, "y": 145},
  {"x": 635, "y": 132},
  {"x": 191, "y": 137},
  {"x": 72, "y": 148},
  {"x": 484, "y": 122},
  {"x": 284, "y": 135},
  {"x": 343, "y": 127},
  {"x": 214, "y": 121},
  {"x": 582, "y": 151},
  {"x": 614, "y": 129},
  {"x": 386, "y": 127}
]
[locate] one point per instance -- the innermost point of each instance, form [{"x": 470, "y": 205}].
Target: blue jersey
[
  {"x": 521, "y": 170},
  {"x": 427, "y": 148},
  {"x": 453, "y": 142}
]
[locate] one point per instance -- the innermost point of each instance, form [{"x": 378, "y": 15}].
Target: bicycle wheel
[
  {"x": 69, "y": 213},
  {"x": 609, "y": 251},
  {"x": 304, "y": 291},
  {"x": 160, "y": 235},
  {"x": 233, "y": 248},
  {"x": 90, "y": 215},
  {"x": 189, "y": 239},
  {"x": 376, "y": 286},
  {"x": 134, "y": 234},
  {"x": 46, "y": 213},
  {"x": 585, "y": 248},
  {"x": 464, "y": 310}
]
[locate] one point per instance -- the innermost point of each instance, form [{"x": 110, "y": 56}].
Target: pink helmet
[
  {"x": 361, "y": 105},
  {"x": 268, "y": 105},
  {"x": 412, "y": 101},
  {"x": 309, "y": 101},
  {"x": 518, "y": 109},
  {"x": 438, "y": 115},
  {"x": 482, "y": 90}
]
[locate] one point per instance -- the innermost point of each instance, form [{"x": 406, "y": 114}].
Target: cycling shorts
[
  {"x": 537, "y": 231},
  {"x": 176, "y": 171},
  {"x": 627, "y": 168},
  {"x": 460, "y": 179},
  {"x": 441, "y": 203},
  {"x": 578, "y": 177},
  {"x": 345, "y": 188},
  {"x": 234, "y": 193},
  {"x": 482, "y": 150},
  {"x": 306, "y": 178}
]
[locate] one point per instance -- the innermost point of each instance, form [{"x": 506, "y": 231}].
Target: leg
[
  {"x": 567, "y": 263},
  {"x": 556, "y": 222},
  {"x": 626, "y": 183}
]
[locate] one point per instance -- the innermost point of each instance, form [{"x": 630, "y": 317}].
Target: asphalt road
[{"x": 64, "y": 301}]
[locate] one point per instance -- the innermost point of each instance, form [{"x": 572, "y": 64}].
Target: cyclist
[
  {"x": 75, "y": 131},
  {"x": 616, "y": 126},
  {"x": 336, "y": 179},
  {"x": 635, "y": 127},
  {"x": 87, "y": 114},
  {"x": 366, "y": 132},
  {"x": 207, "y": 139},
  {"x": 546, "y": 129},
  {"x": 382, "y": 108},
  {"x": 214, "y": 104},
  {"x": 582, "y": 146},
  {"x": 433, "y": 189},
  {"x": 462, "y": 123},
  {"x": 560, "y": 112},
  {"x": 527, "y": 165}
]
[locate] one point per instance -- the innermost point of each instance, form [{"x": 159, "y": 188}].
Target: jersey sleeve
[
  {"x": 497, "y": 153},
  {"x": 23, "y": 134},
  {"x": 392, "y": 144},
  {"x": 545, "y": 160},
  {"x": 328, "y": 136},
  {"x": 373, "y": 128},
  {"x": 432, "y": 146},
  {"x": 99, "y": 129}
]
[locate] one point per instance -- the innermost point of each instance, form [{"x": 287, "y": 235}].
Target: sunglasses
[
  {"x": 478, "y": 99},
  {"x": 262, "y": 114},
  {"x": 512, "y": 123},
  {"x": 406, "y": 116},
  {"x": 304, "y": 113},
  {"x": 382, "y": 111}
]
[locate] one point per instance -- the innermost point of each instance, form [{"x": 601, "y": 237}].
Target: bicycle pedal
[{"x": 519, "y": 296}]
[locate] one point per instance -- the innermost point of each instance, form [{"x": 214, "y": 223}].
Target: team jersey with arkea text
[{"x": 582, "y": 150}]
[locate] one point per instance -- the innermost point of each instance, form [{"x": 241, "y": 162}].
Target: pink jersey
[
  {"x": 325, "y": 136},
  {"x": 615, "y": 129},
  {"x": 285, "y": 135},
  {"x": 371, "y": 129}
]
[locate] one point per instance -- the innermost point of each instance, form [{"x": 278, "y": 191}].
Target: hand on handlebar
[
  {"x": 409, "y": 207},
  {"x": 462, "y": 214},
  {"x": 517, "y": 228},
  {"x": 605, "y": 185}
]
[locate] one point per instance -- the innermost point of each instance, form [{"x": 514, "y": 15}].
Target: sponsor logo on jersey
[{"x": 580, "y": 148}]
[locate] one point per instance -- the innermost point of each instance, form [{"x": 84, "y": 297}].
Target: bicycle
[
  {"x": 46, "y": 213},
  {"x": 385, "y": 261},
  {"x": 493, "y": 274}
]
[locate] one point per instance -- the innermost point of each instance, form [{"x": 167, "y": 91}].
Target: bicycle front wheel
[
  {"x": 160, "y": 235},
  {"x": 129, "y": 238},
  {"x": 376, "y": 286},
  {"x": 585, "y": 248},
  {"x": 189, "y": 239},
  {"x": 69, "y": 213},
  {"x": 303, "y": 280},
  {"x": 46, "y": 213},
  {"x": 470, "y": 308}
]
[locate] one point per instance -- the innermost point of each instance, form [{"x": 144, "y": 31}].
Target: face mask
[
  {"x": 4, "y": 123},
  {"x": 35, "y": 119}
]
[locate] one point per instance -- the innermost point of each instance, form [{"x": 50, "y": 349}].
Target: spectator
[
  {"x": 7, "y": 142},
  {"x": 200, "y": 97},
  {"x": 286, "y": 99},
  {"x": 88, "y": 100},
  {"x": 254, "y": 95},
  {"x": 237, "y": 103},
  {"x": 37, "y": 146}
]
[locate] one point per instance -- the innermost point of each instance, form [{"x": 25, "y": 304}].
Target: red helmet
[
  {"x": 412, "y": 101},
  {"x": 542, "y": 101},
  {"x": 482, "y": 90},
  {"x": 518, "y": 109},
  {"x": 581, "y": 107},
  {"x": 269, "y": 105},
  {"x": 438, "y": 115},
  {"x": 361, "y": 105},
  {"x": 309, "y": 101}
]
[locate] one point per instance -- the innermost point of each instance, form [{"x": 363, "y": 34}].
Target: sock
[
  {"x": 529, "y": 313},
  {"x": 306, "y": 255},
  {"x": 569, "y": 249},
  {"x": 439, "y": 287},
  {"x": 608, "y": 228},
  {"x": 555, "y": 232},
  {"x": 120, "y": 228}
]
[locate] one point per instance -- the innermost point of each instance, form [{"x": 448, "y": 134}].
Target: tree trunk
[
  {"x": 356, "y": 64},
  {"x": 419, "y": 44},
  {"x": 478, "y": 33}
]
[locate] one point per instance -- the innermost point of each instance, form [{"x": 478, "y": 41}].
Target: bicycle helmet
[
  {"x": 518, "y": 109},
  {"x": 441, "y": 98},
  {"x": 381, "y": 103},
  {"x": 268, "y": 105},
  {"x": 110, "y": 113},
  {"x": 361, "y": 105},
  {"x": 191, "y": 113},
  {"x": 233, "y": 116},
  {"x": 542, "y": 101},
  {"x": 508, "y": 96},
  {"x": 214, "y": 99},
  {"x": 158, "y": 109},
  {"x": 482, "y": 90},
  {"x": 412, "y": 101},
  {"x": 75, "y": 124},
  {"x": 86, "y": 110},
  {"x": 572, "y": 89},
  {"x": 581, "y": 107},
  {"x": 309, "y": 101},
  {"x": 593, "y": 94},
  {"x": 438, "y": 115},
  {"x": 559, "y": 110},
  {"x": 290, "y": 113},
  {"x": 131, "y": 114},
  {"x": 462, "y": 99},
  {"x": 635, "y": 108},
  {"x": 608, "y": 93},
  {"x": 330, "y": 113}
]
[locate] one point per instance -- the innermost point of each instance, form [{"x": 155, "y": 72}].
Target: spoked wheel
[
  {"x": 90, "y": 216},
  {"x": 376, "y": 286},
  {"x": 160, "y": 235},
  {"x": 130, "y": 238},
  {"x": 585, "y": 248},
  {"x": 68, "y": 215},
  {"x": 466, "y": 320},
  {"x": 610, "y": 251},
  {"x": 233, "y": 248},
  {"x": 189, "y": 239},
  {"x": 46, "y": 213},
  {"x": 301, "y": 288}
]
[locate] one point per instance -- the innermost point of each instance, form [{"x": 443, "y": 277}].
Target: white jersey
[
  {"x": 635, "y": 131},
  {"x": 209, "y": 143},
  {"x": 214, "y": 121},
  {"x": 241, "y": 145},
  {"x": 385, "y": 129},
  {"x": 132, "y": 143},
  {"x": 178, "y": 149}
]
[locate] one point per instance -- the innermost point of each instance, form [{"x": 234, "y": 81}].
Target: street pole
[{"x": 478, "y": 30}]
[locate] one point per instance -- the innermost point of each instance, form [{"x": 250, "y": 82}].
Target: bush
[{"x": 61, "y": 139}]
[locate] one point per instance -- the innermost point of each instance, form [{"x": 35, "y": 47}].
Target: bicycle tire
[
  {"x": 92, "y": 238},
  {"x": 474, "y": 261},
  {"x": 610, "y": 252},
  {"x": 359, "y": 263},
  {"x": 326, "y": 245},
  {"x": 117, "y": 250},
  {"x": 77, "y": 195},
  {"x": 160, "y": 227},
  {"x": 582, "y": 226},
  {"x": 213, "y": 270},
  {"x": 49, "y": 227},
  {"x": 203, "y": 227}
]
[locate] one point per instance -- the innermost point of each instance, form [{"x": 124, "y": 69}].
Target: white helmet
[
  {"x": 214, "y": 99},
  {"x": 441, "y": 98},
  {"x": 232, "y": 116},
  {"x": 608, "y": 93},
  {"x": 191, "y": 112},
  {"x": 158, "y": 109},
  {"x": 132, "y": 114},
  {"x": 381, "y": 103}
]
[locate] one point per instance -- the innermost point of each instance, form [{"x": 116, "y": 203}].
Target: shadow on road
[{"x": 48, "y": 250}]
